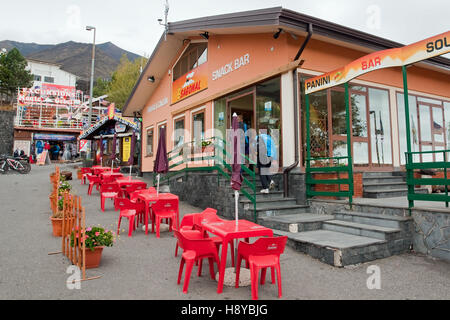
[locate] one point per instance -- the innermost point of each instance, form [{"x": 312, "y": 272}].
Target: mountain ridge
[{"x": 74, "y": 57}]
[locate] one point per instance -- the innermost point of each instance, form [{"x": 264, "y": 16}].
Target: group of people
[
  {"x": 266, "y": 153},
  {"x": 56, "y": 151}
]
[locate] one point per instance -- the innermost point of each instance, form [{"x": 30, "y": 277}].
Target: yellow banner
[
  {"x": 397, "y": 57},
  {"x": 126, "y": 148}
]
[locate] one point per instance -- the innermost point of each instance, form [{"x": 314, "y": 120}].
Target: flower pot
[
  {"x": 57, "y": 226},
  {"x": 93, "y": 258}
]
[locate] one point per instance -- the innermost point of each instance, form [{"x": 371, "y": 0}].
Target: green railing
[
  {"x": 190, "y": 158},
  {"x": 412, "y": 181},
  {"x": 336, "y": 167}
]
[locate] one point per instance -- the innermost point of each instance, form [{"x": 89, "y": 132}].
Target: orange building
[{"x": 255, "y": 63}]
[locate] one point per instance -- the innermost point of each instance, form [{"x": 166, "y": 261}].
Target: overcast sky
[{"x": 133, "y": 25}]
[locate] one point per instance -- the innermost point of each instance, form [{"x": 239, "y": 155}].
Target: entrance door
[
  {"x": 431, "y": 130},
  {"x": 242, "y": 105}
]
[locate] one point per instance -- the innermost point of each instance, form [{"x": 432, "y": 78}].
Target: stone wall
[
  {"x": 432, "y": 233},
  {"x": 6, "y": 132}
]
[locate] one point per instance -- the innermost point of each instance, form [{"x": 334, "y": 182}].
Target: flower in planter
[{"x": 94, "y": 237}]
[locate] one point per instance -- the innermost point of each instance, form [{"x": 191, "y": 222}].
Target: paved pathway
[{"x": 143, "y": 267}]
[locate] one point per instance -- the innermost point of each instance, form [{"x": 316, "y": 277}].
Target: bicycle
[{"x": 19, "y": 164}]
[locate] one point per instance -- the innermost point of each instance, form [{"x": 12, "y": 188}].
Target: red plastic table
[
  {"x": 105, "y": 174},
  {"x": 149, "y": 198},
  {"x": 97, "y": 170},
  {"x": 228, "y": 231}
]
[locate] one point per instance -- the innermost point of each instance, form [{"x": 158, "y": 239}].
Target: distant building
[{"x": 47, "y": 72}]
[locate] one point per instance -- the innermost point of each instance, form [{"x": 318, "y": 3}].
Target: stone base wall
[{"x": 6, "y": 132}]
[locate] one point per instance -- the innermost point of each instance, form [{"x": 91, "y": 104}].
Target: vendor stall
[{"x": 109, "y": 130}]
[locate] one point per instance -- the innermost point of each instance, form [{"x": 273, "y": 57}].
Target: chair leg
[
  {"x": 279, "y": 280},
  {"x": 157, "y": 227},
  {"x": 102, "y": 203},
  {"x": 232, "y": 253},
  {"x": 118, "y": 225},
  {"x": 273, "y": 274},
  {"x": 131, "y": 226},
  {"x": 176, "y": 249},
  {"x": 254, "y": 281},
  {"x": 187, "y": 275},
  {"x": 90, "y": 189},
  {"x": 200, "y": 265},
  {"x": 263, "y": 276},
  {"x": 180, "y": 271},
  {"x": 238, "y": 270},
  {"x": 211, "y": 268}
]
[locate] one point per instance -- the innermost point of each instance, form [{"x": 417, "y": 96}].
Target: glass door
[{"x": 431, "y": 131}]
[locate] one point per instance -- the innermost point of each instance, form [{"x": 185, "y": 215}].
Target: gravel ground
[{"x": 144, "y": 267}]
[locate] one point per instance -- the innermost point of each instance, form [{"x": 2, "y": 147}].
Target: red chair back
[
  {"x": 124, "y": 203},
  {"x": 202, "y": 247},
  {"x": 109, "y": 187},
  {"x": 207, "y": 215},
  {"x": 94, "y": 179},
  {"x": 264, "y": 246},
  {"x": 152, "y": 190},
  {"x": 109, "y": 179},
  {"x": 165, "y": 206},
  {"x": 86, "y": 170},
  {"x": 116, "y": 169}
]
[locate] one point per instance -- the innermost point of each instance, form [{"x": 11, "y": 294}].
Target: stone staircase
[{"x": 386, "y": 185}]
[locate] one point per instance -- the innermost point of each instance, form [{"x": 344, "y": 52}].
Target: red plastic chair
[
  {"x": 84, "y": 173},
  {"x": 187, "y": 224},
  {"x": 164, "y": 209},
  {"x": 108, "y": 191},
  {"x": 195, "y": 249},
  {"x": 129, "y": 209},
  {"x": 93, "y": 180},
  {"x": 134, "y": 187},
  {"x": 116, "y": 170},
  {"x": 210, "y": 215},
  {"x": 262, "y": 254}
]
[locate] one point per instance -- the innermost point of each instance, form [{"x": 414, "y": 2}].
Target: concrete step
[
  {"x": 276, "y": 210},
  {"x": 376, "y": 219},
  {"x": 336, "y": 248},
  {"x": 391, "y": 193},
  {"x": 359, "y": 229},
  {"x": 300, "y": 222},
  {"x": 269, "y": 203},
  {"x": 382, "y": 179},
  {"x": 377, "y": 174},
  {"x": 384, "y": 186}
]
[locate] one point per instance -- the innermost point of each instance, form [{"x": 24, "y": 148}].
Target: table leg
[
  {"x": 147, "y": 213},
  {"x": 223, "y": 264}
]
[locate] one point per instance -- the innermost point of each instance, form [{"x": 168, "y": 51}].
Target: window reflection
[{"x": 380, "y": 126}]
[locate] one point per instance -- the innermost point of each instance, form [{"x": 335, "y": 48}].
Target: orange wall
[{"x": 266, "y": 55}]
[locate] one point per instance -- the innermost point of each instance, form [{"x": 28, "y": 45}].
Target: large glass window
[
  {"x": 149, "y": 147},
  {"x": 412, "y": 102},
  {"x": 198, "y": 126},
  {"x": 380, "y": 126},
  {"x": 447, "y": 123},
  {"x": 178, "y": 135},
  {"x": 194, "y": 56}
]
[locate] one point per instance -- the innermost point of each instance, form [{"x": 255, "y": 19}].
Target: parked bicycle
[{"x": 19, "y": 164}]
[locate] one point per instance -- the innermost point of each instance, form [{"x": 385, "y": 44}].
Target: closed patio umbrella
[
  {"x": 131, "y": 158},
  {"x": 236, "y": 176},
  {"x": 101, "y": 151},
  {"x": 161, "y": 163},
  {"x": 113, "y": 152}
]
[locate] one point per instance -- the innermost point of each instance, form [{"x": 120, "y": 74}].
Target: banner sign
[
  {"x": 397, "y": 57},
  {"x": 190, "y": 83},
  {"x": 43, "y": 158},
  {"x": 53, "y": 137},
  {"x": 50, "y": 94},
  {"x": 126, "y": 148},
  {"x": 83, "y": 145}
]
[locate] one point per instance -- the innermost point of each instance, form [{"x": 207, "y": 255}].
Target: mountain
[{"x": 75, "y": 57}]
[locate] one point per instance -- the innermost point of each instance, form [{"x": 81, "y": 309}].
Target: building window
[
  {"x": 178, "y": 135},
  {"x": 149, "y": 148},
  {"x": 198, "y": 125},
  {"x": 195, "y": 55},
  {"x": 37, "y": 77},
  {"x": 49, "y": 79}
]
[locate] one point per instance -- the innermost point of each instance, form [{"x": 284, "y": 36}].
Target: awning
[{"x": 106, "y": 122}]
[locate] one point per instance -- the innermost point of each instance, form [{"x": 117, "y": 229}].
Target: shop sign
[
  {"x": 159, "y": 104},
  {"x": 83, "y": 145},
  {"x": 126, "y": 148},
  {"x": 189, "y": 84},
  {"x": 53, "y": 137},
  {"x": 397, "y": 57},
  {"x": 231, "y": 66},
  {"x": 120, "y": 127}
]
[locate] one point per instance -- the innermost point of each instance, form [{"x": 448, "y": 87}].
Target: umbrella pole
[
  {"x": 130, "y": 174},
  {"x": 236, "y": 210},
  {"x": 157, "y": 186}
]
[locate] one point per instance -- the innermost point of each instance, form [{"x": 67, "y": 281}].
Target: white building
[{"x": 47, "y": 72}]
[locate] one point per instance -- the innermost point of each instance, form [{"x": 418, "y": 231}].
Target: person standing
[{"x": 266, "y": 153}]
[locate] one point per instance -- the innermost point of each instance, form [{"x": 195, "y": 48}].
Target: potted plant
[
  {"x": 57, "y": 216},
  {"x": 206, "y": 146},
  {"x": 96, "y": 238}
]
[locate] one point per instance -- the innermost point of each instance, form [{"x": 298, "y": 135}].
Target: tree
[
  {"x": 13, "y": 73},
  {"x": 124, "y": 79},
  {"x": 101, "y": 87}
]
